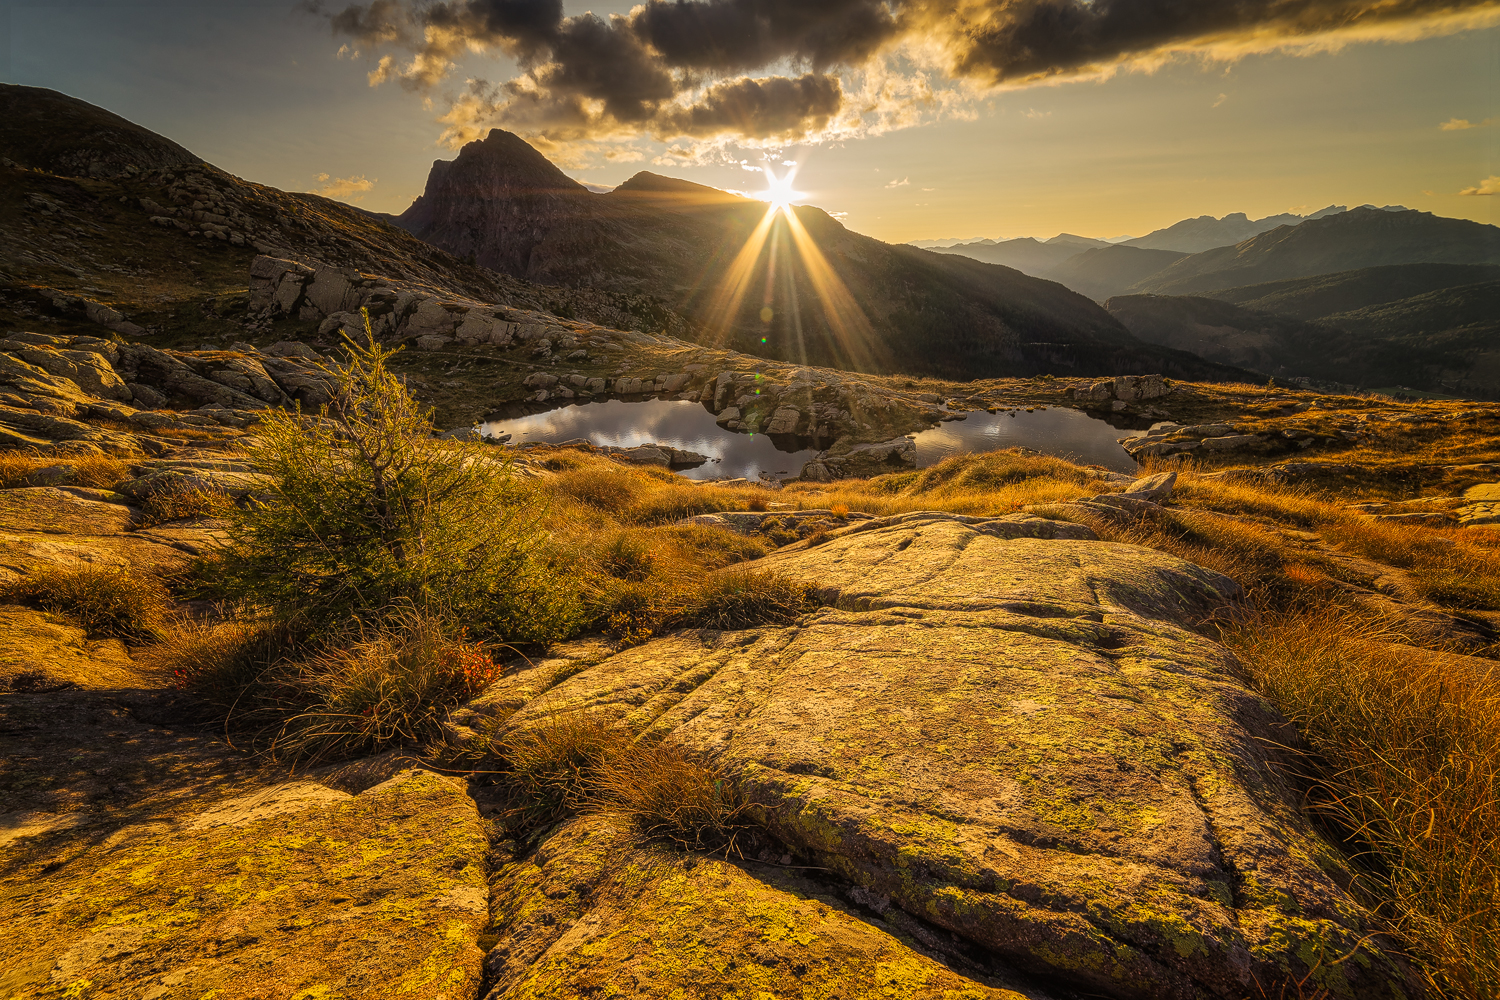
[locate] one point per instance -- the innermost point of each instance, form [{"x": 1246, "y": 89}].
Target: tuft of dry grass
[
  {"x": 577, "y": 762},
  {"x": 383, "y": 684},
  {"x": 179, "y": 504},
  {"x": 745, "y": 598},
  {"x": 1408, "y": 748},
  {"x": 104, "y": 602},
  {"x": 99, "y": 472}
]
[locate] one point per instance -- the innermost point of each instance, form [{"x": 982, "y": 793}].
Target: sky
[{"x": 904, "y": 122}]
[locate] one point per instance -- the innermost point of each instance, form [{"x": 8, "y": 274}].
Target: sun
[{"x": 779, "y": 190}]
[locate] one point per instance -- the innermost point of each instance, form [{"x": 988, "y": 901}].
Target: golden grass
[
  {"x": 1408, "y": 743},
  {"x": 103, "y": 602},
  {"x": 99, "y": 472},
  {"x": 179, "y": 504}
]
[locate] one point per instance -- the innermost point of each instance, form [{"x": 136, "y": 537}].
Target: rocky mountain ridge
[{"x": 504, "y": 205}]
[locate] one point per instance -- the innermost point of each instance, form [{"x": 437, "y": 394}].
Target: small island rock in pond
[{"x": 1017, "y": 743}]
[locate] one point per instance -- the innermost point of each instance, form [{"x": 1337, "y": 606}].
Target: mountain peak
[{"x": 646, "y": 181}]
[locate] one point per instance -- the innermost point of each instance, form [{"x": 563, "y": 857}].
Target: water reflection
[
  {"x": 677, "y": 423},
  {"x": 687, "y": 425},
  {"x": 1070, "y": 434}
]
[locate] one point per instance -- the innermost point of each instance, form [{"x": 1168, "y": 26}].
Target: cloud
[
  {"x": 705, "y": 73},
  {"x": 1462, "y": 124},
  {"x": 1490, "y": 185},
  {"x": 1035, "y": 115},
  {"x": 903, "y": 182},
  {"x": 344, "y": 188},
  {"x": 1221, "y": 100}
]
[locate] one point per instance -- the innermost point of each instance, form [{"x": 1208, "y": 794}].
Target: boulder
[
  {"x": 784, "y": 420},
  {"x": 1154, "y": 488},
  {"x": 1021, "y": 745},
  {"x": 1232, "y": 442},
  {"x": 293, "y": 349},
  {"x": 872, "y": 459}
]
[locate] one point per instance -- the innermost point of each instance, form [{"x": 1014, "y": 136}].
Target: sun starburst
[{"x": 779, "y": 190}]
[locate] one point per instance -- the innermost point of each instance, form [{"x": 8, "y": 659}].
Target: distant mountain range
[
  {"x": 504, "y": 206},
  {"x": 1434, "y": 327},
  {"x": 1187, "y": 236}
]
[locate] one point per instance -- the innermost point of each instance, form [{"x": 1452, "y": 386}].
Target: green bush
[{"x": 367, "y": 512}]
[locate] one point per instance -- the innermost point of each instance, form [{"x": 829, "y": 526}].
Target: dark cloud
[
  {"x": 607, "y": 62},
  {"x": 773, "y": 108},
  {"x": 682, "y": 64},
  {"x": 1026, "y": 39},
  {"x": 522, "y": 27},
  {"x": 743, "y": 35}
]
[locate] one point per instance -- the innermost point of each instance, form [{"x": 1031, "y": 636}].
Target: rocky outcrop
[
  {"x": 1121, "y": 391},
  {"x": 1014, "y": 743},
  {"x": 1167, "y": 438},
  {"x": 267, "y": 893},
  {"x": 862, "y": 461},
  {"x": 54, "y": 391}
]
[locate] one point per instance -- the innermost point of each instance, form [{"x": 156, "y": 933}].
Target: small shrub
[
  {"x": 756, "y": 504},
  {"x": 219, "y": 661},
  {"x": 366, "y": 511},
  {"x": 552, "y": 770},
  {"x": 633, "y": 611},
  {"x": 103, "y": 602},
  {"x": 677, "y": 796}
]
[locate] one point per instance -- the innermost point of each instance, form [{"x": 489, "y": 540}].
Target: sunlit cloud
[
  {"x": 1463, "y": 124},
  {"x": 352, "y": 189},
  {"x": 903, "y": 182},
  {"x": 1490, "y": 185},
  {"x": 704, "y": 77}
]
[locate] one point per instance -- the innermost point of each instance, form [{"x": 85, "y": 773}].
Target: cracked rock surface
[{"x": 1018, "y": 743}]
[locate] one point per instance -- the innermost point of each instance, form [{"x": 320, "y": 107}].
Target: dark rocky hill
[
  {"x": 49, "y": 131},
  {"x": 1445, "y": 341},
  {"x": 504, "y": 206}
]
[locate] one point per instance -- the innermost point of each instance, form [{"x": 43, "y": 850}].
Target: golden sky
[{"x": 911, "y": 119}]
